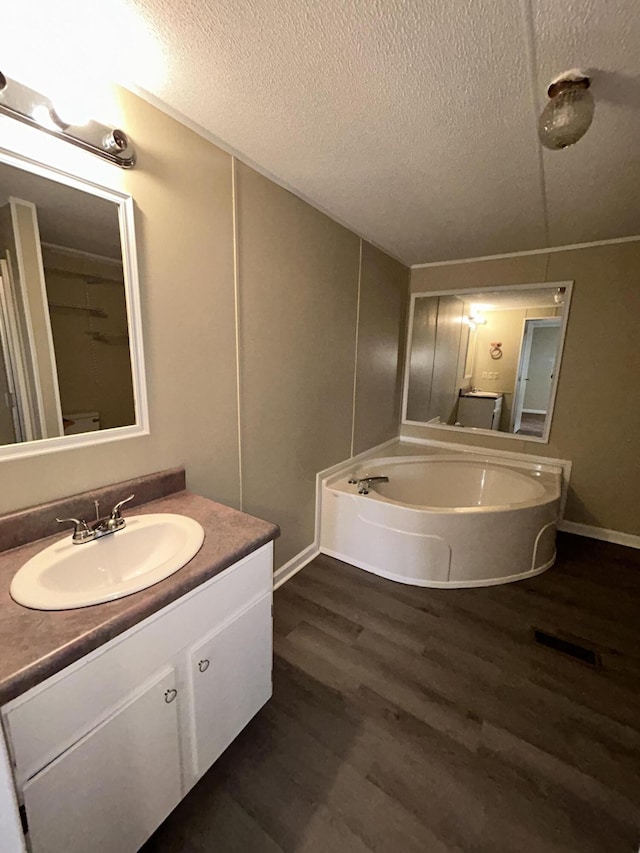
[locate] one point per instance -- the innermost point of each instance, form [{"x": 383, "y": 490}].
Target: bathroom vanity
[
  {"x": 111, "y": 713},
  {"x": 480, "y": 409}
]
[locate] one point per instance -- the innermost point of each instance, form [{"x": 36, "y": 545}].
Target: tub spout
[{"x": 363, "y": 483}]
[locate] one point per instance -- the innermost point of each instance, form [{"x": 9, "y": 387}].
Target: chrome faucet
[
  {"x": 83, "y": 532},
  {"x": 363, "y": 483}
]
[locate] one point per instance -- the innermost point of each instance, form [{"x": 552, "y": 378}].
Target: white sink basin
[{"x": 146, "y": 551}]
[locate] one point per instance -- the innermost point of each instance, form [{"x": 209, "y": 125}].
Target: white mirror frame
[
  {"x": 132, "y": 297},
  {"x": 544, "y": 439}
]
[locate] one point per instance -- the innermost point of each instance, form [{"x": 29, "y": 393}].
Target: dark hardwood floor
[
  {"x": 532, "y": 424},
  {"x": 408, "y": 720}
]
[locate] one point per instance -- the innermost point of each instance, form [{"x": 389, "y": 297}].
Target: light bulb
[
  {"x": 567, "y": 116},
  {"x": 73, "y": 107},
  {"x": 43, "y": 116}
]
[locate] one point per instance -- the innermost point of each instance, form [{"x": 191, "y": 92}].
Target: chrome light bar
[{"x": 32, "y": 108}]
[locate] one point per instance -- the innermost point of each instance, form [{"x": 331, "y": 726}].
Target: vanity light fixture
[
  {"x": 569, "y": 113},
  {"x": 32, "y": 108}
]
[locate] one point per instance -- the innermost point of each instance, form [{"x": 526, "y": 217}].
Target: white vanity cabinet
[
  {"x": 231, "y": 672},
  {"x": 103, "y": 751},
  {"x": 113, "y": 788}
]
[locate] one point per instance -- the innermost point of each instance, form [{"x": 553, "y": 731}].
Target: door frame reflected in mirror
[
  {"x": 461, "y": 293},
  {"x": 125, "y": 208}
]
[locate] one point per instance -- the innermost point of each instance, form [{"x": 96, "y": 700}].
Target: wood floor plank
[
  {"x": 413, "y": 719},
  {"x": 356, "y": 667}
]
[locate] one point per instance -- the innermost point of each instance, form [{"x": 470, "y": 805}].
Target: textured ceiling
[{"x": 411, "y": 121}]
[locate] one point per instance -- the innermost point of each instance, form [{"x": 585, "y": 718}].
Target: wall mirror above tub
[
  {"x": 486, "y": 360},
  {"x": 71, "y": 359}
]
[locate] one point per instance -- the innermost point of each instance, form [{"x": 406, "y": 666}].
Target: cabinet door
[
  {"x": 110, "y": 791},
  {"x": 231, "y": 672}
]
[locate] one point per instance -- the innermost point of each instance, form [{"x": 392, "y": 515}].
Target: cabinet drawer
[{"x": 48, "y": 719}]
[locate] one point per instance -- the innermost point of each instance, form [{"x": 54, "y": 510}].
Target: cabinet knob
[
  {"x": 203, "y": 665},
  {"x": 170, "y": 695}
]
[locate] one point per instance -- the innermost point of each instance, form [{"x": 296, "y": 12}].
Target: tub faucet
[{"x": 363, "y": 483}]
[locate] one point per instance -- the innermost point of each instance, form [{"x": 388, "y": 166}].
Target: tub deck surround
[
  {"x": 444, "y": 520},
  {"x": 37, "y": 644}
]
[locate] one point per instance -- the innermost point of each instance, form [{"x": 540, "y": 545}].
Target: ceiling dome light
[{"x": 569, "y": 113}]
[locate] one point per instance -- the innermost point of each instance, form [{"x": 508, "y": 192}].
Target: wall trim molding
[
  {"x": 355, "y": 359},
  {"x": 568, "y": 248},
  {"x": 291, "y": 568},
  {"x": 236, "y": 320},
  {"x": 602, "y": 533}
]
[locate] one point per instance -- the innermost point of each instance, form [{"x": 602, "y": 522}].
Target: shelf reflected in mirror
[{"x": 486, "y": 361}]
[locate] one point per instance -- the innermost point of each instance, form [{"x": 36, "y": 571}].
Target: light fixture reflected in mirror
[
  {"x": 475, "y": 318},
  {"x": 569, "y": 112}
]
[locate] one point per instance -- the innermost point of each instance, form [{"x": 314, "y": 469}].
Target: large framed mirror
[
  {"x": 486, "y": 360},
  {"x": 71, "y": 354}
]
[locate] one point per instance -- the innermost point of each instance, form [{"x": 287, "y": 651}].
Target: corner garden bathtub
[{"x": 457, "y": 520}]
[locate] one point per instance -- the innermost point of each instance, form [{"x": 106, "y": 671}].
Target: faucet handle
[
  {"x": 81, "y": 532},
  {"x": 115, "y": 512}
]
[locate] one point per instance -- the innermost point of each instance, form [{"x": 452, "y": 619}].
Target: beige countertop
[{"x": 35, "y": 644}]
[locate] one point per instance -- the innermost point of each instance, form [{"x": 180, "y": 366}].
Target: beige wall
[
  {"x": 298, "y": 298},
  {"x": 299, "y": 322},
  {"x": 297, "y": 287},
  {"x": 381, "y": 337},
  {"x": 185, "y": 241},
  {"x": 597, "y": 415}
]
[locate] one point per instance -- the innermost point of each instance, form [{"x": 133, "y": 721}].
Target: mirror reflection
[
  {"x": 487, "y": 360},
  {"x": 65, "y": 363}
]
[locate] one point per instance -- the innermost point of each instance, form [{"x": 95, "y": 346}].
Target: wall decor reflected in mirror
[
  {"x": 71, "y": 363},
  {"x": 486, "y": 360}
]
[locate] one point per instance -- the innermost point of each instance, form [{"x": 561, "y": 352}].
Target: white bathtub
[{"x": 455, "y": 520}]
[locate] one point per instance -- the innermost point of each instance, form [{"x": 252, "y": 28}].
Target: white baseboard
[
  {"x": 615, "y": 536},
  {"x": 286, "y": 572}
]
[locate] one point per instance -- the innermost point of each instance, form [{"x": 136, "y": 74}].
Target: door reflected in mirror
[
  {"x": 486, "y": 360},
  {"x": 67, "y": 364}
]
